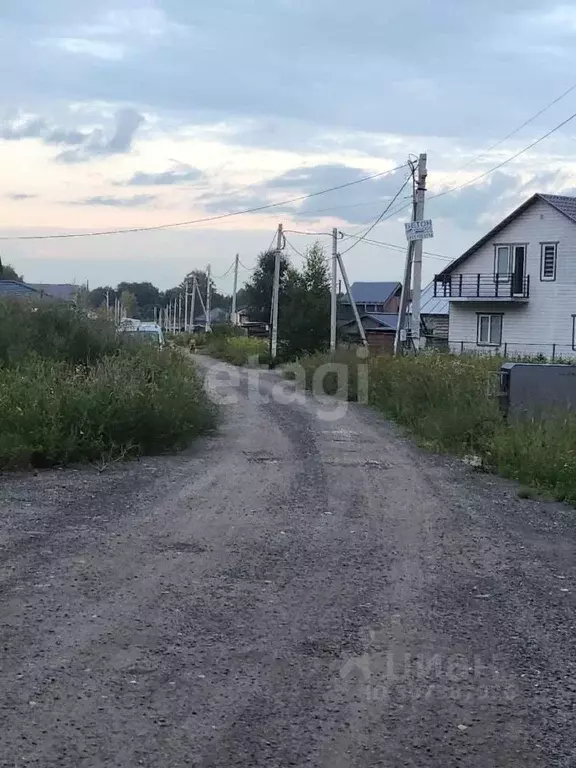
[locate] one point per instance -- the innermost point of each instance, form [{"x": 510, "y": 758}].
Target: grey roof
[
  {"x": 372, "y": 293},
  {"x": 563, "y": 204},
  {"x": 15, "y": 288},
  {"x": 63, "y": 291},
  {"x": 433, "y": 305},
  {"x": 387, "y": 321}
]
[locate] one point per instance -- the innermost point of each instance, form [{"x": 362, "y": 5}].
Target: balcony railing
[{"x": 477, "y": 286}]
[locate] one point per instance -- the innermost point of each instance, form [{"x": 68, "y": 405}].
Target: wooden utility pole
[
  {"x": 235, "y": 290},
  {"x": 418, "y": 247},
  {"x": 186, "y": 292},
  {"x": 333, "y": 294},
  {"x": 276, "y": 294}
]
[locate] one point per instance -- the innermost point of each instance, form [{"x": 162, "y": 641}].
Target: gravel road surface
[{"x": 294, "y": 591}]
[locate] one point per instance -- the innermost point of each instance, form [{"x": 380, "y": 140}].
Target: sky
[{"x": 123, "y": 114}]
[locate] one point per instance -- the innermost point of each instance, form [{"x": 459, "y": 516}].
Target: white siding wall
[{"x": 546, "y": 317}]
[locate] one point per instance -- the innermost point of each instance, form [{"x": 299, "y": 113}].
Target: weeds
[
  {"x": 238, "y": 350},
  {"x": 71, "y": 390},
  {"x": 451, "y": 403}
]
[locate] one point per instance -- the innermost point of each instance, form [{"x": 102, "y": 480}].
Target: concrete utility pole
[
  {"x": 208, "y": 298},
  {"x": 174, "y": 315},
  {"x": 418, "y": 248},
  {"x": 186, "y": 328},
  {"x": 276, "y": 293},
  {"x": 405, "y": 295},
  {"x": 333, "y": 295},
  {"x": 193, "y": 303},
  {"x": 235, "y": 291},
  {"x": 361, "y": 330}
]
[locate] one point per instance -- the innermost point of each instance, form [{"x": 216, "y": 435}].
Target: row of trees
[
  {"x": 304, "y": 305},
  {"x": 304, "y": 310},
  {"x": 140, "y": 299}
]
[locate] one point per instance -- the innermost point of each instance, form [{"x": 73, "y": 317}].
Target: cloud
[
  {"x": 359, "y": 203},
  {"x": 180, "y": 174},
  {"x": 87, "y": 144},
  {"x": 136, "y": 201},
  {"x": 347, "y": 48},
  {"x": 20, "y": 196},
  {"x": 127, "y": 122}
]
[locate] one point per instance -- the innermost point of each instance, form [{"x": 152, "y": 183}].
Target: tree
[
  {"x": 146, "y": 296},
  {"x": 97, "y": 297},
  {"x": 9, "y": 273},
  {"x": 258, "y": 290},
  {"x": 129, "y": 303},
  {"x": 304, "y": 323}
]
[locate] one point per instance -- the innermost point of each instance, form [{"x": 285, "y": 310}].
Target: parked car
[{"x": 143, "y": 332}]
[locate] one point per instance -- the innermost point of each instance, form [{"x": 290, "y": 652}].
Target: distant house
[
  {"x": 14, "y": 289},
  {"x": 514, "y": 291},
  {"x": 217, "y": 316},
  {"x": 380, "y": 330},
  {"x": 378, "y": 298},
  {"x": 61, "y": 291},
  {"x": 434, "y": 318},
  {"x": 378, "y": 305}
]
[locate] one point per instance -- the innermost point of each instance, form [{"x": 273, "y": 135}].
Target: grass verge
[
  {"x": 71, "y": 391},
  {"x": 450, "y": 403}
]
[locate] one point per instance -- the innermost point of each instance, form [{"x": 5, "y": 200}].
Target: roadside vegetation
[
  {"x": 73, "y": 390},
  {"x": 451, "y": 404}
]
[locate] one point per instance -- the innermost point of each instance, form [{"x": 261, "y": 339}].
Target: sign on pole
[{"x": 419, "y": 230}]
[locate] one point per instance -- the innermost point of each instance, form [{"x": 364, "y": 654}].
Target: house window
[
  {"x": 489, "y": 330},
  {"x": 502, "y": 262},
  {"x": 371, "y": 308},
  {"x": 548, "y": 254}
]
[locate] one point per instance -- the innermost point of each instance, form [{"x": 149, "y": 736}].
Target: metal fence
[{"x": 518, "y": 350}]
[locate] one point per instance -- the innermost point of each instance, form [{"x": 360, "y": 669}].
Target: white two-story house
[{"x": 514, "y": 291}]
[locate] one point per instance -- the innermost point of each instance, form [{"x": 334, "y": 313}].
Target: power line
[
  {"x": 221, "y": 277},
  {"x": 249, "y": 269},
  {"x": 382, "y": 215},
  {"x": 294, "y": 249},
  {"x": 505, "y": 162},
  {"x": 204, "y": 220},
  {"x": 395, "y": 247},
  {"x": 519, "y": 128}
]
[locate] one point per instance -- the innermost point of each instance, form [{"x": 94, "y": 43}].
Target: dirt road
[{"x": 294, "y": 591}]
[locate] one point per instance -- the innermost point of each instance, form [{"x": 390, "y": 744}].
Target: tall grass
[
  {"x": 451, "y": 403},
  {"x": 72, "y": 390},
  {"x": 238, "y": 350}
]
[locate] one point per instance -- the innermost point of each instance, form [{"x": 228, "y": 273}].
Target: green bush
[
  {"x": 238, "y": 350},
  {"x": 54, "y": 331},
  {"x": 124, "y": 405},
  {"x": 73, "y": 389}
]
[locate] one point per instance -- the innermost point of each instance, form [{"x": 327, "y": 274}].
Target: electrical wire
[
  {"x": 294, "y": 249},
  {"x": 221, "y": 277},
  {"x": 504, "y": 162},
  {"x": 401, "y": 248},
  {"x": 249, "y": 269},
  {"x": 382, "y": 215},
  {"x": 519, "y": 128},
  {"x": 206, "y": 219}
]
